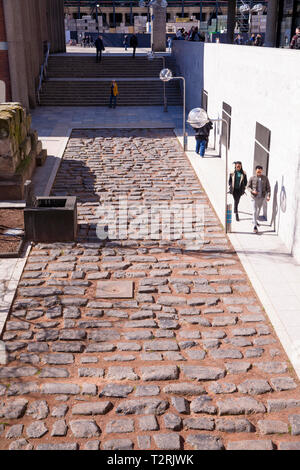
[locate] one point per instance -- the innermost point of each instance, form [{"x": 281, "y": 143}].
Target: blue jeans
[
  {"x": 113, "y": 100},
  {"x": 200, "y": 147}
]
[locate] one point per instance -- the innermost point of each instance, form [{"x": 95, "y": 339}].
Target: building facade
[{"x": 288, "y": 20}]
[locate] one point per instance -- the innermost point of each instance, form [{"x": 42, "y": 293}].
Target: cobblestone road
[{"x": 141, "y": 344}]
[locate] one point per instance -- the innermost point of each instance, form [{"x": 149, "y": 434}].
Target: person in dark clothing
[
  {"x": 125, "y": 42},
  {"x": 99, "y": 47},
  {"x": 238, "y": 40},
  {"x": 201, "y": 136},
  {"x": 133, "y": 44},
  {"x": 201, "y": 36},
  {"x": 251, "y": 40},
  {"x": 237, "y": 185},
  {"x": 295, "y": 42},
  {"x": 258, "y": 40}
]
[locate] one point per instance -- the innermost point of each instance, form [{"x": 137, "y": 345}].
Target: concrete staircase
[{"x": 80, "y": 81}]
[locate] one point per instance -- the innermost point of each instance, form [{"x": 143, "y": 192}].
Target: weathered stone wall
[{"x": 20, "y": 150}]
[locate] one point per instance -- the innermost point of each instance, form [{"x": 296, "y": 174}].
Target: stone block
[
  {"x": 114, "y": 289},
  {"x": 34, "y": 138},
  {"x": 41, "y": 158},
  {"x": 54, "y": 219},
  {"x": 25, "y": 148},
  {"x": 39, "y": 147}
]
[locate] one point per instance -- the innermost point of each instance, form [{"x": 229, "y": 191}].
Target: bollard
[
  {"x": 185, "y": 139},
  {"x": 3, "y": 354},
  {"x": 228, "y": 217}
]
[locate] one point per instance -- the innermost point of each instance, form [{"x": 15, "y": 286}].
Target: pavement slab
[{"x": 189, "y": 358}]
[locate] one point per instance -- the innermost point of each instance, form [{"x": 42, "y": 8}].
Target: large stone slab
[{"x": 114, "y": 289}]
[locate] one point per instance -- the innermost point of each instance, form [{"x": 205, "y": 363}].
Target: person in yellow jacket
[{"x": 113, "y": 94}]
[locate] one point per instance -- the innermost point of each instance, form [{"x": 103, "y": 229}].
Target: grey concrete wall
[
  {"x": 256, "y": 82},
  {"x": 189, "y": 63}
]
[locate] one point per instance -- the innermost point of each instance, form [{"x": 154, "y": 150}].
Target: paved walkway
[
  {"x": 272, "y": 270},
  {"x": 140, "y": 343},
  {"x": 109, "y": 51}
]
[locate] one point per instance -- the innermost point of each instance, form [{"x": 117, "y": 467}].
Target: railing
[{"x": 43, "y": 73}]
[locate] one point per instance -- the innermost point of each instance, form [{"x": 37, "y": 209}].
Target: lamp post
[
  {"x": 97, "y": 18},
  {"x": 165, "y": 76},
  {"x": 151, "y": 56}
]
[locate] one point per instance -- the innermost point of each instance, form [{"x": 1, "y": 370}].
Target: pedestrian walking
[
  {"x": 260, "y": 190},
  {"x": 113, "y": 94},
  {"x": 295, "y": 42},
  {"x": 237, "y": 185},
  {"x": 202, "y": 136},
  {"x": 99, "y": 48},
  {"x": 125, "y": 42},
  {"x": 133, "y": 44},
  {"x": 169, "y": 43}
]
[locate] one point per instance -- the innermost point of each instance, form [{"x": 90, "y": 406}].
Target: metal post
[
  {"x": 78, "y": 11},
  {"x": 201, "y": 10},
  {"x": 228, "y": 217},
  {"x": 226, "y": 173},
  {"x": 114, "y": 14},
  {"x": 184, "y": 137},
  {"x": 226, "y": 166},
  {"x": 183, "y": 126},
  {"x": 130, "y": 12},
  {"x": 165, "y": 98},
  {"x": 182, "y": 9},
  {"x": 97, "y": 20},
  {"x": 217, "y": 10}
]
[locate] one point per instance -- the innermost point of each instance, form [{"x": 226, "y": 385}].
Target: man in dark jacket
[
  {"x": 258, "y": 40},
  {"x": 100, "y": 47},
  {"x": 237, "y": 185},
  {"x": 260, "y": 189},
  {"x": 201, "y": 136},
  {"x": 133, "y": 44}
]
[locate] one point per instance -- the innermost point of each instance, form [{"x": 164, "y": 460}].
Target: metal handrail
[{"x": 43, "y": 73}]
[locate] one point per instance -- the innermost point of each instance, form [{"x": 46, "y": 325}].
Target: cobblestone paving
[{"x": 180, "y": 356}]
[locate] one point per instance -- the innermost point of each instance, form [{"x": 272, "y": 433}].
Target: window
[
  {"x": 226, "y": 115},
  {"x": 262, "y": 147},
  {"x": 204, "y": 100}
]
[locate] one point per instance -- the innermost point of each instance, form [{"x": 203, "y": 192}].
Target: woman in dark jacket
[{"x": 237, "y": 185}]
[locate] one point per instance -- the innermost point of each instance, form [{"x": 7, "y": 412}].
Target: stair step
[{"x": 93, "y": 92}]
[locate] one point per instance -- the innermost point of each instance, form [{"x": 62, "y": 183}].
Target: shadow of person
[{"x": 275, "y": 207}]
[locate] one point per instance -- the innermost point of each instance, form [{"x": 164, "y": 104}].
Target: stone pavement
[
  {"x": 140, "y": 343},
  {"x": 272, "y": 270}
]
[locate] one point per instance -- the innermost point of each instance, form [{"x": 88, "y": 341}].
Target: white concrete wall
[{"x": 261, "y": 85}]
